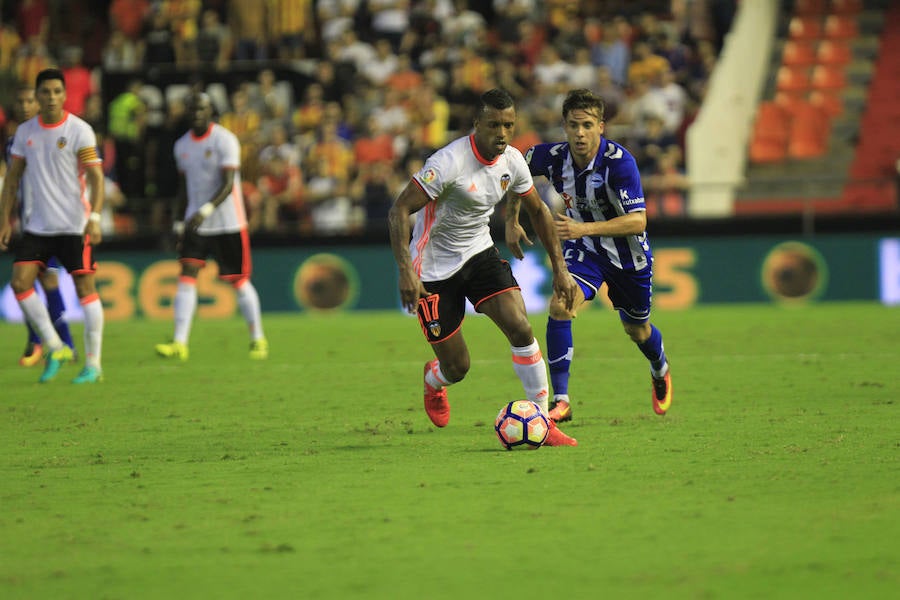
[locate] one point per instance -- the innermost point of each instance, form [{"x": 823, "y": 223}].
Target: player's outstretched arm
[
  {"x": 410, "y": 200},
  {"x": 563, "y": 283}
]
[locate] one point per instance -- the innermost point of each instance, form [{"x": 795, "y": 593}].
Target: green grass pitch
[{"x": 316, "y": 474}]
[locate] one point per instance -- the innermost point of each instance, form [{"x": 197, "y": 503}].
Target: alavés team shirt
[
  {"x": 610, "y": 186},
  {"x": 464, "y": 188}
]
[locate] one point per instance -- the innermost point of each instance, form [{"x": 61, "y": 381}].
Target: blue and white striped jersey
[{"x": 609, "y": 187}]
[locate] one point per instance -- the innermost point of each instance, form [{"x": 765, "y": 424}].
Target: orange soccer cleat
[
  {"x": 555, "y": 437},
  {"x": 662, "y": 394},
  {"x": 436, "y": 405},
  {"x": 560, "y": 411},
  {"x": 32, "y": 355}
]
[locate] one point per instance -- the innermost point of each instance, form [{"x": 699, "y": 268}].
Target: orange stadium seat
[
  {"x": 840, "y": 27},
  {"x": 808, "y": 137},
  {"x": 834, "y": 53},
  {"x": 791, "y": 102},
  {"x": 810, "y": 7},
  {"x": 845, "y": 7},
  {"x": 829, "y": 102},
  {"x": 828, "y": 78},
  {"x": 798, "y": 54},
  {"x": 792, "y": 79},
  {"x": 763, "y": 151},
  {"x": 805, "y": 28}
]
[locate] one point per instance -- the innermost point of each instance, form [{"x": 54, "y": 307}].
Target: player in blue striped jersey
[{"x": 605, "y": 241}]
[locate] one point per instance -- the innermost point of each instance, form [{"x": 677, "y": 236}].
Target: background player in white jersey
[
  {"x": 605, "y": 241},
  {"x": 452, "y": 257},
  {"x": 24, "y": 107},
  {"x": 210, "y": 201},
  {"x": 55, "y": 154}
]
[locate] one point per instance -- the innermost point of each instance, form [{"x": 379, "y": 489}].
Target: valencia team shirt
[
  {"x": 202, "y": 159},
  {"x": 464, "y": 189},
  {"x": 609, "y": 187},
  {"x": 55, "y": 199}
]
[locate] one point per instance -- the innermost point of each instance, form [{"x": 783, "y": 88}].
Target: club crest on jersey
[
  {"x": 61, "y": 142},
  {"x": 567, "y": 199},
  {"x": 597, "y": 180},
  {"x": 434, "y": 328},
  {"x": 428, "y": 176},
  {"x": 504, "y": 182}
]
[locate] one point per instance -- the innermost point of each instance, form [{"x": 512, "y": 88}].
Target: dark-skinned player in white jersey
[{"x": 449, "y": 255}]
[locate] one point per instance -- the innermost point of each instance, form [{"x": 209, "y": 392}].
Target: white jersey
[
  {"x": 202, "y": 160},
  {"x": 464, "y": 188},
  {"x": 55, "y": 198}
]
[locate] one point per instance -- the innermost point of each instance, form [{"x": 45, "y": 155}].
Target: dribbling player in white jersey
[
  {"x": 55, "y": 154},
  {"x": 215, "y": 224},
  {"x": 452, "y": 257}
]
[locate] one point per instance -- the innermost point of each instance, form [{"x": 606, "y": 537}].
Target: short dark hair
[
  {"x": 496, "y": 98},
  {"x": 47, "y": 75},
  {"x": 583, "y": 99}
]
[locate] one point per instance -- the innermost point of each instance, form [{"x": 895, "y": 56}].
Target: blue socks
[
  {"x": 56, "y": 307},
  {"x": 559, "y": 354},
  {"x": 653, "y": 350}
]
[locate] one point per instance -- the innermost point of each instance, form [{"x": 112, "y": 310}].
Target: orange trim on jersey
[
  {"x": 53, "y": 125},
  {"x": 187, "y": 280},
  {"x": 478, "y": 155},
  {"x": 237, "y": 199},
  {"x": 239, "y": 283},
  {"x": 193, "y": 261},
  {"x": 25, "y": 294},
  {"x": 527, "y": 360},
  {"x": 199, "y": 138},
  {"x": 89, "y": 298},
  {"x": 87, "y": 266},
  {"x": 527, "y": 192},
  {"x": 509, "y": 289},
  {"x": 430, "y": 210}
]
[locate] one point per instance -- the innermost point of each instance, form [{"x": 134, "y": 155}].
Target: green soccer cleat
[
  {"x": 55, "y": 360},
  {"x": 173, "y": 350},
  {"x": 89, "y": 375},
  {"x": 259, "y": 349}
]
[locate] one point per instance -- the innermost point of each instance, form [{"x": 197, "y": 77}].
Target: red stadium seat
[
  {"x": 798, "y": 54},
  {"x": 763, "y": 151},
  {"x": 805, "y": 28},
  {"x": 792, "y": 79},
  {"x": 840, "y": 27},
  {"x": 828, "y": 78},
  {"x": 808, "y": 136},
  {"x": 835, "y": 53}
]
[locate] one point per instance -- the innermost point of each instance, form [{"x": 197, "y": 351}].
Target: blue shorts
[{"x": 629, "y": 291}]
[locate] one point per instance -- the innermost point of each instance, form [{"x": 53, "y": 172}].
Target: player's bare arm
[
  {"x": 564, "y": 285},
  {"x": 207, "y": 209},
  {"x": 515, "y": 233},
  {"x": 410, "y": 201},
  {"x": 633, "y": 223},
  {"x": 8, "y": 199},
  {"x": 95, "y": 180}
]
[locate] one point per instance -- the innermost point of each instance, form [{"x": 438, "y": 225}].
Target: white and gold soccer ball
[{"x": 521, "y": 425}]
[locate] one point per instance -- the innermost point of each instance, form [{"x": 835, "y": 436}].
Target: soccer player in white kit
[
  {"x": 451, "y": 256},
  {"x": 55, "y": 154},
  {"x": 210, "y": 200}
]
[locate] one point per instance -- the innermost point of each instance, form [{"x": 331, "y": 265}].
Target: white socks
[
  {"x": 529, "y": 365},
  {"x": 93, "y": 329},
  {"x": 185, "y": 304},
  {"x": 248, "y": 302}
]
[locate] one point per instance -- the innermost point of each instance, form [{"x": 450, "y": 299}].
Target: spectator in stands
[
  {"x": 10, "y": 42},
  {"x": 651, "y": 143},
  {"x": 214, "y": 45},
  {"x": 159, "y": 42},
  {"x": 33, "y": 20},
  {"x": 282, "y": 196},
  {"x": 248, "y": 29},
  {"x": 583, "y": 73},
  {"x": 667, "y": 185},
  {"x": 128, "y": 16},
  {"x": 32, "y": 58},
  {"x": 280, "y": 144},
  {"x": 120, "y": 53},
  {"x": 269, "y": 97},
  {"x": 645, "y": 64},
  {"x": 127, "y": 123},
  {"x": 244, "y": 122},
  {"x": 374, "y": 146},
  {"x": 382, "y": 65},
  {"x": 390, "y": 20},
  {"x": 673, "y": 97},
  {"x": 291, "y": 27},
  {"x": 331, "y": 209},
  {"x": 79, "y": 82},
  {"x": 613, "y": 51},
  {"x": 335, "y": 17},
  {"x": 612, "y": 94},
  {"x": 335, "y": 152}
]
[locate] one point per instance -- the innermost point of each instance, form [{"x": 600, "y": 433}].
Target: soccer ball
[{"x": 521, "y": 425}]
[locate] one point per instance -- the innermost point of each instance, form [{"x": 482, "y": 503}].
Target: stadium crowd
[{"x": 385, "y": 83}]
